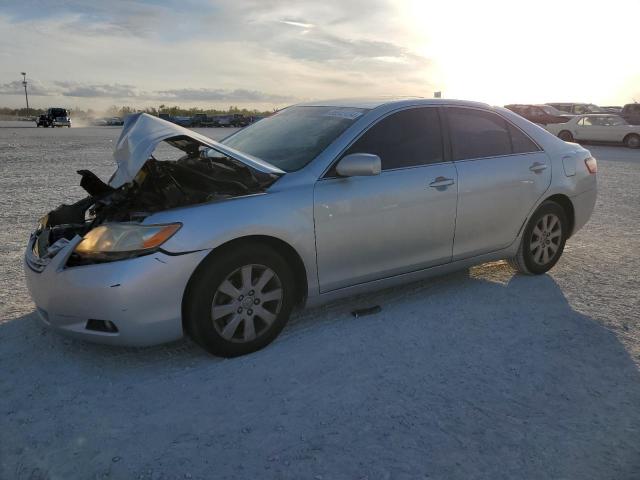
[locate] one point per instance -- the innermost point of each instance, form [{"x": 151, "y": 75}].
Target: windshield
[
  {"x": 595, "y": 109},
  {"x": 293, "y": 137},
  {"x": 59, "y": 112},
  {"x": 552, "y": 110}
]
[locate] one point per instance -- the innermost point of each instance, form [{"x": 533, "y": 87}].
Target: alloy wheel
[
  {"x": 545, "y": 239},
  {"x": 246, "y": 303}
]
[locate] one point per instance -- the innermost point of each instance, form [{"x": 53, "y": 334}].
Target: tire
[
  {"x": 543, "y": 240},
  {"x": 227, "y": 314},
  {"x": 632, "y": 140},
  {"x": 566, "y": 135}
]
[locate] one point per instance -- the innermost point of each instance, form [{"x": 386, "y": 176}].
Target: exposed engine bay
[{"x": 203, "y": 174}]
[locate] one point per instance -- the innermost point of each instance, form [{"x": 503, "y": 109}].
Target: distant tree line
[{"x": 116, "y": 111}]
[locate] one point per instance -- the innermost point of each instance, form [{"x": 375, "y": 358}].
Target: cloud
[
  {"x": 219, "y": 95},
  {"x": 297, "y": 23},
  {"x": 71, "y": 89},
  {"x": 15, "y": 87},
  {"x": 120, "y": 91},
  {"x": 260, "y": 51}
]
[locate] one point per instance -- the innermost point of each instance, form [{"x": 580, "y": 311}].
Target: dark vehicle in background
[
  {"x": 202, "y": 120},
  {"x": 239, "y": 121},
  {"x": 55, "y": 117},
  {"x": 540, "y": 114},
  {"x": 578, "y": 108},
  {"x": 631, "y": 113},
  {"x": 182, "y": 121}
]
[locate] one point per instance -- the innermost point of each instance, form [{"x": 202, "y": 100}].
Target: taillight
[{"x": 591, "y": 164}]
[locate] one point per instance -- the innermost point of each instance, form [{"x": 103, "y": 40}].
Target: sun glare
[{"x": 505, "y": 51}]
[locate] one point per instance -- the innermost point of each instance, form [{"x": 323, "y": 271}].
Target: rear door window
[
  {"x": 481, "y": 134},
  {"x": 477, "y": 134}
]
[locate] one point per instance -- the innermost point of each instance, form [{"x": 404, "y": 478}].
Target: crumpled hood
[{"x": 142, "y": 133}]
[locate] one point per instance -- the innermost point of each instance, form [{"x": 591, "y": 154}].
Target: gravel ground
[{"x": 479, "y": 374}]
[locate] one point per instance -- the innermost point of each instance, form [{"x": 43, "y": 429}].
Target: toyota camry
[{"x": 319, "y": 201}]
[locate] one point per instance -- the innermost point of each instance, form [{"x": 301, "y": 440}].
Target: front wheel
[
  {"x": 240, "y": 300},
  {"x": 542, "y": 241}
]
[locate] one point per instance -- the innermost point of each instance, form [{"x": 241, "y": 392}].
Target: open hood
[{"x": 142, "y": 133}]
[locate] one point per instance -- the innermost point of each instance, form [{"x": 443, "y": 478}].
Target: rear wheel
[
  {"x": 632, "y": 141},
  {"x": 240, "y": 300},
  {"x": 542, "y": 241},
  {"x": 566, "y": 135}
]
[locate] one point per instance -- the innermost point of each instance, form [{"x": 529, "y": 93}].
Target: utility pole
[{"x": 24, "y": 84}]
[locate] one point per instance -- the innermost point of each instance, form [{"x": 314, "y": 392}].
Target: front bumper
[{"x": 142, "y": 296}]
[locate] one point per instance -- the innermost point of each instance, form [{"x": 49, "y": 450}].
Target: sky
[{"x": 270, "y": 53}]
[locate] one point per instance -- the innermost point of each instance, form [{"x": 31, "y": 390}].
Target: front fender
[{"x": 286, "y": 215}]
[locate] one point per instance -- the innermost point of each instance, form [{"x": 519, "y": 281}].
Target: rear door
[
  {"x": 501, "y": 175},
  {"x": 401, "y": 220},
  {"x": 593, "y": 128}
]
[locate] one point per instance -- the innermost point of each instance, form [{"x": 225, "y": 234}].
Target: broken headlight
[{"x": 115, "y": 241}]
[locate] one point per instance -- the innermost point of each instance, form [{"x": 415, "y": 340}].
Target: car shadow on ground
[{"x": 479, "y": 374}]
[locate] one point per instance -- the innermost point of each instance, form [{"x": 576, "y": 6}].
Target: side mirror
[{"x": 359, "y": 165}]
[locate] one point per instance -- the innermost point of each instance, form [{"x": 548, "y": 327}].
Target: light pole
[{"x": 24, "y": 84}]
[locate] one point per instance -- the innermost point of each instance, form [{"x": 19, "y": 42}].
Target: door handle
[
  {"x": 537, "y": 167},
  {"x": 441, "y": 182}
]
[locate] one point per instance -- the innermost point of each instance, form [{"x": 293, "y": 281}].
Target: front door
[{"x": 402, "y": 220}]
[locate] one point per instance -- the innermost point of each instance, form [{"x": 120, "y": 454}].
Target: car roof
[
  {"x": 609, "y": 114},
  {"x": 528, "y": 105},
  {"x": 371, "y": 103}
]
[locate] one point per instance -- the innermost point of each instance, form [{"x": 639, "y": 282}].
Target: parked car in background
[
  {"x": 578, "y": 108},
  {"x": 540, "y": 114},
  {"x": 317, "y": 202},
  {"x": 612, "y": 108},
  {"x": 239, "y": 121},
  {"x": 54, "y": 117},
  {"x": 115, "y": 121},
  {"x": 598, "y": 128},
  {"x": 202, "y": 120},
  {"x": 222, "y": 120},
  {"x": 631, "y": 113},
  {"x": 183, "y": 121},
  {"x": 107, "y": 122}
]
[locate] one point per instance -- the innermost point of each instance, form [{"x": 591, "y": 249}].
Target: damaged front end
[{"x": 110, "y": 218}]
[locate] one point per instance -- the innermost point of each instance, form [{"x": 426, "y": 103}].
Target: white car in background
[{"x": 598, "y": 128}]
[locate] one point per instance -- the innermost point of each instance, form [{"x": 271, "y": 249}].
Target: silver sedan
[{"x": 317, "y": 202}]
